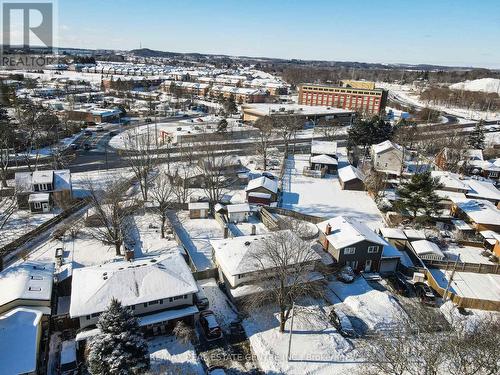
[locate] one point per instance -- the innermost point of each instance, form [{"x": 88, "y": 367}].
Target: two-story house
[
  {"x": 387, "y": 157},
  {"x": 351, "y": 243},
  {"x": 158, "y": 290},
  {"x": 39, "y": 191}
]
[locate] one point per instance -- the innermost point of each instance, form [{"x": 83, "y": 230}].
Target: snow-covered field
[
  {"x": 482, "y": 84},
  {"x": 324, "y": 196},
  {"x": 166, "y": 352},
  {"x": 99, "y": 179},
  {"x": 316, "y": 348},
  {"x": 406, "y": 94}
]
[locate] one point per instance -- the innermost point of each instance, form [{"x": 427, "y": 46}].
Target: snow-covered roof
[
  {"x": 19, "y": 335},
  {"x": 62, "y": 179},
  {"x": 483, "y": 190},
  {"x": 266, "y": 109},
  {"x": 414, "y": 234},
  {"x": 474, "y": 154},
  {"x": 394, "y": 233},
  {"x": 349, "y": 173},
  {"x": 138, "y": 281},
  {"x": 237, "y": 255},
  {"x": 450, "y": 180},
  {"x": 323, "y": 147},
  {"x": 68, "y": 351},
  {"x": 324, "y": 159},
  {"x": 426, "y": 247},
  {"x": 461, "y": 225},
  {"x": 198, "y": 206},
  {"x": 257, "y": 194},
  {"x": 219, "y": 207},
  {"x": 348, "y": 231},
  {"x": 264, "y": 182},
  {"x": 23, "y": 181},
  {"x": 39, "y": 197},
  {"x": 43, "y": 177},
  {"x": 480, "y": 211},
  {"x": 385, "y": 146},
  {"x": 29, "y": 280},
  {"x": 240, "y": 207}
]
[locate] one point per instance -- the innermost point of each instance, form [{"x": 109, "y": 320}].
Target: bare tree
[
  {"x": 285, "y": 264},
  {"x": 7, "y": 208},
  {"x": 266, "y": 130},
  {"x": 214, "y": 167},
  {"x": 161, "y": 194},
  {"x": 110, "y": 209},
  {"x": 286, "y": 126},
  {"x": 7, "y": 137},
  {"x": 183, "y": 332},
  {"x": 375, "y": 183},
  {"x": 141, "y": 156}
]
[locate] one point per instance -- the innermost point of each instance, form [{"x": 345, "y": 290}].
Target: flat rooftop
[{"x": 264, "y": 109}]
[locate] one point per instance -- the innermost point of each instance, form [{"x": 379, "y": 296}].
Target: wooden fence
[
  {"x": 463, "y": 266},
  {"x": 296, "y": 215}
]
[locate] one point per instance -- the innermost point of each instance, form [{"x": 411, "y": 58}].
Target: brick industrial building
[{"x": 369, "y": 101}]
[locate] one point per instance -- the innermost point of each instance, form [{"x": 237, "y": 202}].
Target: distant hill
[{"x": 482, "y": 84}]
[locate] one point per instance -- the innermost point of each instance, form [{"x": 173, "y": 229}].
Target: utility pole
[
  {"x": 445, "y": 297},
  {"x": 291, "y": 331}
]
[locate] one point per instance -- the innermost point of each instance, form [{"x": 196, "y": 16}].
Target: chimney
[
  {"x": 328, "y": 229},
  {"x": 253, "y": 230},
  {"x": 226, "y": 231},
  {"x": 129, "y": 254}
]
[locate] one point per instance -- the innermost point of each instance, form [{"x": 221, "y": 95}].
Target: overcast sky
[{"x": 462, "y": 33}]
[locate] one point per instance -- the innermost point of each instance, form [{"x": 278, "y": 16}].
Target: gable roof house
[
  {"x": 387, "y": 157},
  {"x": 481, "y": 214},
  {"x": 40, "y": 190},
  {"x": 159, "y": 290},
  {"x": 352, "y": 243},
  {"x": 351, "y": 178},
  {"x": 262, "y": 190},
  {"x": 238, "y": 267}
]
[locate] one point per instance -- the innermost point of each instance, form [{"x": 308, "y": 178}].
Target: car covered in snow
[
  {"x": 425, "y": 294},
  {"x": 346, "y": 274},
  {"x": 342, "y": 323},
  {"x": 209, "y": 325}
]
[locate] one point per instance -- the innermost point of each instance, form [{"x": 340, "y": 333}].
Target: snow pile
[
  {"x": 316, "y": 346},
  {"x": 378, "y": 310},
  {"x": 482, "y": 84},
  {"x": 468, "y": 322}
]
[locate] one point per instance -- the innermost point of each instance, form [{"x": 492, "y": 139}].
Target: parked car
[
  {"x": 99, "y": 128},
  {"x": 89, "y": 123},
  {"x": 425, "y": 293},
  {"x": 147, "y": 120},
  {"x": 112, "y": 133},
  {"x": 201, "y": 300},
  {"x": 68, "y": 364},
  {"x": 342, "y": 323},
  {"x": 346, "y": 274},
  {"x": 209, "y": 325},
  {"x": 74, "y": 146},
  {"x": 86, "y": 147},
  {"x": 87, "y": 132},
  {"x": 398, "y": 282}
]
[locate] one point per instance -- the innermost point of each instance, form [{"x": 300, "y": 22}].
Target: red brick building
[{"x": 369, "y": 101}]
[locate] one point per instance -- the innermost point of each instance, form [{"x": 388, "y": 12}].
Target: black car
[
  {"x": 346, "y": 274},
  {"x": 209, "y": 325},
  {"x": 148, "y": 120},
  {"x": 87, "y": 132},
  {"x": 342, "y": 323},
  {"x": 399, "y": 284},
  {"x": 425, "y": 293},
  {"x": 86, "y": 147}
]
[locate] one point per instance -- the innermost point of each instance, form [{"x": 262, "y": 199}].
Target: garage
[{"x": 388, "y": 265}]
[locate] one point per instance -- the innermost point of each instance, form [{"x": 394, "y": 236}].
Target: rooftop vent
[{"x": 247, "y": 243}]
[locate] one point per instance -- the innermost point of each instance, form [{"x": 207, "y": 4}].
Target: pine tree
[
  {"x": 222, "y": 126},
  {"x": 230, "y": 105},
  {"x": 418, "y": 196},
  {"x": 476, "y": 137},
  {"x": 120, "y": 347}
]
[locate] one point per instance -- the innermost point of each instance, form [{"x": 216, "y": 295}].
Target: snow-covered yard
[
  {"x": 99, "y": 179},
  {"x": 324, "y": 196},
  {"x": 196, "y": 235},
  {"x": 468, "y": 254},
  {"x": 378, "y": 310},
  {"x": 316, "y": 348},
  {"x": 167, "y": 353}
]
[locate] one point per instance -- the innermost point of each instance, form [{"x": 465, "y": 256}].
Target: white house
[
  {"x": 235, "y": 258},
  {"x": 27, "y": 284},
  {"x": 198, "y": 210},
  {"x": 426, "y": 249},
  {"x": 157, "y": 289},
  {"x": 387, "y": 157}
]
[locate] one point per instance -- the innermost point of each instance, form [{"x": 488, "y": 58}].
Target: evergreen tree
[
  {"x": 120, "y": 347},
  {"x": 230, "y": 105},
  {"x": 364, "y": 133},
  {"x": 222, "y": 126},
  {"x": 418, "y": 196},
  {"x": 476, "y": 137}
]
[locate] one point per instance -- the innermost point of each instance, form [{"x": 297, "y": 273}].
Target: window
[
  {"x": 145, "y": 305},
  {"x": 240, "y": 276},
  {"x": 37, "y": 205},
  {"x": 153, "y": 303},
  {"x": 373, "y": 249},
  {"x": 178, "y": 297},
  {"x": 43, "y": 187},
  {"x": 161, "y": 301},
  {"x": 34, "y": 289},
  {"x": 349, "y": 250},
  {"x": 94, "y": 315},
  {"x": 493, "y": 174},
  {"x": 87, "y": 317}
]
